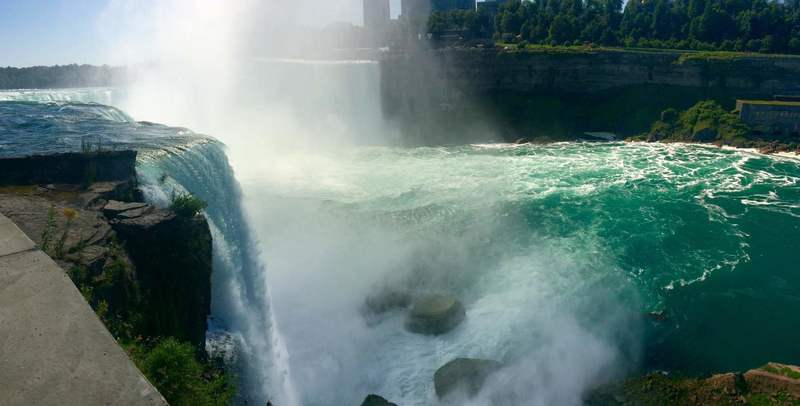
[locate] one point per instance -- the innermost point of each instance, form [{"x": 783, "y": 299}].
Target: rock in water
[
  {"x": 466, "y": 374},
  {"x": 375, "y": 400},
  {"x": 435, "y": 314}
]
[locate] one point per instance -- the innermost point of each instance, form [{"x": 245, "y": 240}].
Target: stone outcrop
[
  {"x": 775, "y": 378},
  {"x": 463, "y": 374},
  {"x": 434, "y": 314},
  {"x": 146, "y": 265},
  {"x": 375, "y": 400},
  {"x": 771, "y": 384},
  {"x": 172, "y": 255}
]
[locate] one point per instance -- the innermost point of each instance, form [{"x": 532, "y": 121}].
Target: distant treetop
[{"x": 767, "y": 26}]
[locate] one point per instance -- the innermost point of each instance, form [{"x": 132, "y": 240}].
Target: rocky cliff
[
  {"x": 145, "y": 270},
  {"x": 504, "y": 94}
]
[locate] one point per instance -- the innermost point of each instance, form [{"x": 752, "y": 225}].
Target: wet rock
[
  {"x": 658, "y": 316},
  {"x": 375, "y": 400},
  {"x": 467, "y": 374},
  {"x": 114, "y": 208},
  {"x": 135, "y": 213},
  {"x": 774, "y": 378},
  {"x": 435, "y": 314}
]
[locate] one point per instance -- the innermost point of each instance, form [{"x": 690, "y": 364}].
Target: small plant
[
  {"x": 187, "y": 206},
  {"x": 172, "y": 367},
  {"x": 49, "y": 230},
  {"x": 70, "y": 215}
]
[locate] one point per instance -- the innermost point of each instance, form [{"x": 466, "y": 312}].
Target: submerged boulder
[
  {"x": 467, "y": 374},
  {"x": 435, "y": 314},
  {"x": 375, "y": 400}
]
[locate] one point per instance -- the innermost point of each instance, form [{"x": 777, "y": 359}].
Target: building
[
  {"x": 415, "y": 10},
  {"x": 448, "y": 5},
  {"x": 779, "y": 116},
  {"x": 492, "y": 6},
  {"x": 377, "y": 15}
]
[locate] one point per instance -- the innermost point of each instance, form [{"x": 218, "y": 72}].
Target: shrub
[
  {"x": 705, "y": 121},
  {"x": 186, "y": 205},
  {"x": 172, "y": 367}
]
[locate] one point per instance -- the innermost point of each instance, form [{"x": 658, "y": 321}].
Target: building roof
[{"x": 770, "y": 102}]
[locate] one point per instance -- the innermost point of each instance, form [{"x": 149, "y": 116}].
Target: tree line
[
  {"x": 769, "y": 26},
  {"x": 59, "y": 76}
]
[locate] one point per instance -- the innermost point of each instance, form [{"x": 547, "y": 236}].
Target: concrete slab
[
  {"x": 53, "y": 348},
  {"x": 12, "y": 240}
]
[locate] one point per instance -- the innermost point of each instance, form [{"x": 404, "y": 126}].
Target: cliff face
[
  {"x": 145, "y": 270},
  {"x": 172, "y": 255},
  {"x": 70, "y": 168},
  {"x": 523, "y": 94}
]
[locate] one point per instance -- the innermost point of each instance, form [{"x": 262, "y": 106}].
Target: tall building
[
  {"x": 493, "y": 6},
  {"x": 415, "y": 10},
  {"x": 447, "y": 5},
  {"x": 376, "y": 15}
]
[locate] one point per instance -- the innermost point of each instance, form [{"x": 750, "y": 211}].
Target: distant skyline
[{"x": 59, "y": 32}]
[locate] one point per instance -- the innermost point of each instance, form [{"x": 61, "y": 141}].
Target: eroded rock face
[
  {"x": 375, "y": 400},
  {"x": 463, "y": 374},
  {"x": 435, "y": 314},
  {"x": 775, "y": 378}
]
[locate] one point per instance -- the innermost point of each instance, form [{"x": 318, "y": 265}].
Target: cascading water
[
  {"x": 556, "y": 250},
  {"x": 170, "y": 160}
]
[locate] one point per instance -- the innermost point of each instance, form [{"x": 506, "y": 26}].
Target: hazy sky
[{"x": 48, "y": 32}]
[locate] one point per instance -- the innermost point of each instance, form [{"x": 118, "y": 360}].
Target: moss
[{"x": 783, "y": 371}]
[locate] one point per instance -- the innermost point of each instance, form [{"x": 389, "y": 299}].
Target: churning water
[{"x": 557, "y": 251}]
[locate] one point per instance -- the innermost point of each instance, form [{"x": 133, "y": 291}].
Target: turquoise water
[{"x": 557, "y": 251}]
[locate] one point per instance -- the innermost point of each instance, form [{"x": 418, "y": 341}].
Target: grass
[
  {"x": 684, "y": 54},
  {"x": 783, "y": 371}
]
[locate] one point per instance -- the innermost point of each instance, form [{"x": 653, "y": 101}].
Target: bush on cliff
[
  {"x": 171, "y": 366},
  {"x": 706, "y": 121},
  {"x": 186, "y": 205}
]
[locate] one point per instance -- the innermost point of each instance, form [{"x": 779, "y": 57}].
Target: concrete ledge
[
  {"x": 53, "y": 348},
  {"x": 12, "y": 240}
]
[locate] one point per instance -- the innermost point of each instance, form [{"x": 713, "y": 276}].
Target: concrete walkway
[{"x": 53, "y": 348}]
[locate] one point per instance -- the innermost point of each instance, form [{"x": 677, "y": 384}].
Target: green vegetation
[
  {"x": 59, "y": 76},
  {"x": 49, "y": 230},
  {"x": 783, "y": 371},
  {"x": 706, "y": 121},
  {"x": 187, "y": 206},
  {"x": 171, "y": 366},
  {"x": 765, "y": 26},
  {"x": 661, "y": 389}
]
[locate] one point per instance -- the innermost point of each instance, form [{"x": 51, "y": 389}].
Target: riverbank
[{"x": 463, "y": 95}]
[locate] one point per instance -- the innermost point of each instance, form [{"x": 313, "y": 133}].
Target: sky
[{"x": 50, "y": 32}]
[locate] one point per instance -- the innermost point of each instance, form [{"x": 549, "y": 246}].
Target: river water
[{"x": 557, "y": 251}]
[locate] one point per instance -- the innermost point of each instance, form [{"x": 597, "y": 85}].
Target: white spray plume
[{"x": 220, "y": 67}]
